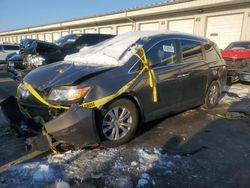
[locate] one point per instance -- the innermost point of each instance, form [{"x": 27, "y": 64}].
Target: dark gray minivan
[{"x": 102, "y": 93}]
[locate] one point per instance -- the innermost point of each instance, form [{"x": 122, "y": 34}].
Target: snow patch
[
  {"x": 43, "y": 173},
  {"x": 148, "y": 160},
  {"x": 37, "y": 171},
  {"x": 144, "y": 180},
  {"x": 234, "y": 93},
  {"x": 114, "y": 167},
  {"x": 238, "y": 91},
  {"x": 110, "y": 52},
  {"x": 62, "y": 184}
]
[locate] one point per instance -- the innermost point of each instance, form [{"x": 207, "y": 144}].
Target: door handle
[{"x": 184, "y": 75}]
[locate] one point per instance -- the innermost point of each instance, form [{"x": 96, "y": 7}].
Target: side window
[
  {"x": 211, "y": 53},
  {"x": 11, "y": 47},
  {"x": 163, "y": 53},
  {"x": 87, "y": 40},
  {"x": 191, "y": 51},
  {"x": 104, "y": 37}
]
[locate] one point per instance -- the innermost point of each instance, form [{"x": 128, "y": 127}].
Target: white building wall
[
  {"x": 199, "y": 20},
  {"x": 124, "y": 29}
]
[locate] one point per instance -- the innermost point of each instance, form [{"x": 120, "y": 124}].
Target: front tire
[
  {"x": 213, "y": 95},
  {"x": 117, "y": 122}
]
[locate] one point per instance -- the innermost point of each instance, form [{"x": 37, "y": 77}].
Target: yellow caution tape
[
  {"x": 18, "y": 91},
  {"x": 102, "y": 101},
  {"x": 41, "y": 99},
  {"x": 54, "y": 150},
  {"x": 232, "y": 116},
  {"x": 151, "y": 74}
]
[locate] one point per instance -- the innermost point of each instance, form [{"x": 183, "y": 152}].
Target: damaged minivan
[{"x": 104, "y": 92}]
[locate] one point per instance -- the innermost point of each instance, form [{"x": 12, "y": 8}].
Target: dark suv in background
[
  {"x": 35, "y": 53},
  {"x": 189, "y": 71}
]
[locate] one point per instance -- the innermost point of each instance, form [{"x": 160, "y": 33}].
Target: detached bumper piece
[{"x": 75, "y": 126}]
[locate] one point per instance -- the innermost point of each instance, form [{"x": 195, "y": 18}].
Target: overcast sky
[{"x": 24, "y": 13}]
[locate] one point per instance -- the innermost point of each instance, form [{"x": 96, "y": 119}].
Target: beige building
[{"x": 223, "y": 21}]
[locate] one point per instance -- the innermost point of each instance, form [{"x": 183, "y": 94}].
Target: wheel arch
[
  {"x": 217, "y": 80},
  {"x": 137, "y": 103},
  {"x": 132, "y": 98}
]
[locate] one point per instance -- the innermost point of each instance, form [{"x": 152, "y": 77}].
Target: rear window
[
  {"x": 211, "y": 53},
  {"x": 10, "y": 47},
  {"x": 239, "y": 45},
  {"x": 191, "y": 51}
]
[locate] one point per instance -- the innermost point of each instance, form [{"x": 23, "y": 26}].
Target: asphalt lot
[{"x": 195, "y": 148}]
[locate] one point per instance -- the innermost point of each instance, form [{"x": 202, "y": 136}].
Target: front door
[{"x": 164, "y": 61}]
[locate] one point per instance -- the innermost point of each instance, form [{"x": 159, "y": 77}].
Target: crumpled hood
[
  {"x": 31, "y": 46},
  {"x": 60, "y": 74},
  {"x": 236, "y": 54}
]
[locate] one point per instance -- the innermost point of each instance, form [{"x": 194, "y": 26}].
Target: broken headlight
[
  {"x": 37, "y": 60},
  {"x": 67, "y": 93}
]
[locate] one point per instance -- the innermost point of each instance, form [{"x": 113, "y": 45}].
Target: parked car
[
  {"x": 237, "y": 57},
  {"x": 105, "y": 91},
  {"x": 35, "y": 53},
  {"x": 16, "y": 67},
  {"x": 5, "y": 51}
]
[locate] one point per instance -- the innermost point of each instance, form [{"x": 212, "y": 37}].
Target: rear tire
[
  {"x": 213, "y": 95},
  {"x": 117, "y": 122}
]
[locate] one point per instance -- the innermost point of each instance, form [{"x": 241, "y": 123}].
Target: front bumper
[{"x": 76, "y": 126}]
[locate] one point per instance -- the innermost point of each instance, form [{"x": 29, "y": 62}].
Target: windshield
[
  {"x": 239, "y": 45},
  {"x": 67, "y": 38},
  {"x": 113, "y": 52}
]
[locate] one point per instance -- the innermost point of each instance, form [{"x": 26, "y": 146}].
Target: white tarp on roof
[{"x": 110, "y": 51}]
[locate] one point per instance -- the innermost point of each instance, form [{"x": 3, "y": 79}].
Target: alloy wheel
[
  {"x": 117, "y": 123},
  {"x": 213, "y": 95}
]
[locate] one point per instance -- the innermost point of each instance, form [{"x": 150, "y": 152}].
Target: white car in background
[{"x": 6, "y": 49}]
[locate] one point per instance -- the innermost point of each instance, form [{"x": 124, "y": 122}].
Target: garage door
[
  {"x": 149, "y": 26},
  {"x": 124, "y": 29},
  {"x": 105, "y": 30},
  {"x": 41, "y": 36},
  {"x": 33, "y": 36},
  {"x": 224, "y": 29},
  {"x": 89, "y": 31},
  {"x": 19, "y": 38},
  {"x": 76, "y": 31},
  {"x": 64, "y": 33},
  {"x": 56, "y": 36},
  {"x": 186, "y": 26},
  {"x": 48, "y": 37}
]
